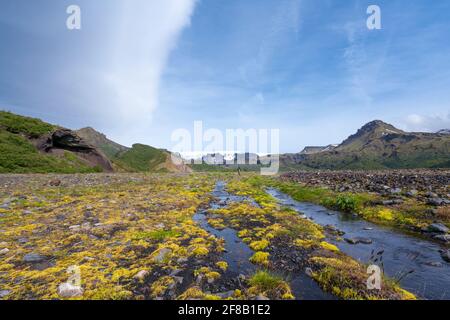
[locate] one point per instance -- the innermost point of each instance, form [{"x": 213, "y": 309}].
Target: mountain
[
  {"x": 100, "y": 141},
  {"x": 315, "y": 149},
  {"x": 380, "y": 145},
  {"x": 29, "y": 145},
  {"x": 138, "y": 158},
  {"x": 444, "y": 131}
]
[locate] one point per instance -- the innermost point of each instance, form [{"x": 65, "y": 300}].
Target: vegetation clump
[{"x": 269, "y": 285}]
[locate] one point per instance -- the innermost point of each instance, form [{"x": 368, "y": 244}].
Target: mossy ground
[{"x": 133, "y": 237}]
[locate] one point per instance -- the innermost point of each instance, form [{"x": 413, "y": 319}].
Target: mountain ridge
[{"x": 378, "y": 145}]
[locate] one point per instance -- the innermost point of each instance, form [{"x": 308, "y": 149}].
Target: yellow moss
[
  {"x": 261, "y": 258},
  {"x": 217, "y": 223},
  {"x": 259, "y": 245},
  {"x": 122, "y": 273},
  {"x": 200, "y": 251},
  {"x": 159, "y": 287},
  {"x": 406, "y": 295},
  {"x": 222, "y": 265},
  {"x": 303, "y": 243},
  {"x": 329, "y": 246},
  {"x": 247, "y": 240},
  {"x": 287, "y": 296},
  {"x": 195, "y": 293},
  {"x": 202, "y": 270},
  {"x": 385, "y": 214},
  {"x": 213, "y": 275},
  {"x": 243, "y": 233}
]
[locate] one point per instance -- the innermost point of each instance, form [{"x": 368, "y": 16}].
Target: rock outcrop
[{"x": 67, "y": 140}]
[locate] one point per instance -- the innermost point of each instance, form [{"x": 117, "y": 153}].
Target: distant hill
[
  {"x": 313, "y": 150},
  {"x": 380, "y": 145},
  {"x": 138, "y": 158},
  {"x": 29, "y": 145}
]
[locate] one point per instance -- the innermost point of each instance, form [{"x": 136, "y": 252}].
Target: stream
[
  {"x": 237, "y": 253},
  {"x": 402, "y": 252}
]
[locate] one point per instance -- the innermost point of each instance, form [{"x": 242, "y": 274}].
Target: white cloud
[
  {"x": 426, "y": 123},
  {"x": 146, "y": 33}
]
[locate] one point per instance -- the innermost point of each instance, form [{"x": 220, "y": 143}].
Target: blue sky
[{"x": 138, "y": 70}]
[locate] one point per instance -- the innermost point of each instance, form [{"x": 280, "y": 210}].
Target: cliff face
[{"x": 68, "y": 140}]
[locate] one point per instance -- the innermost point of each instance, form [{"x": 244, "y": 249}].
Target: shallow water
[
  {"x": 402, "y": 252},
  {"x": 237, "y": 253}
]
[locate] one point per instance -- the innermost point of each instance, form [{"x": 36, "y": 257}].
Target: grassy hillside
[
  {"x": 141, "y": 158},
  {"x": 29, "y": 127},
  {"x": 19, "y": 155}
]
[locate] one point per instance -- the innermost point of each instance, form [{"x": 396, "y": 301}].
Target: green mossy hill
[
  {"x": 30, "y": 127},
  {"x": 142, "y": 158},
  {"x": 19, "y": 155}
]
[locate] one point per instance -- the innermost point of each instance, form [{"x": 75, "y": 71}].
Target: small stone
[
  {"x": 141, "y": 275},
  {"x": 225, "y": 295},
  {"x": 438, "y": 227},
  {"x": 436, "y": 201},
  {"x": 55, "y": 183},
  {"x": 351, "y": 240},
  {"x": 4, "y": 251},
  {"x": 3, "y": 244},
  {"x": 178, "y": 280},
  {"x": 396, "y": 191},
  {"x": 368, "y": 229},
  {"x": 442, "y": 237},
  {"x": 431, "y": 195},
  {"x": 4, "y": 293},
  {"x": 87, "y": 259},
  {"x": 33, "y": 258},
  {"x": 434, "y": 264},
  {"x": 182, "y": 260},
  {"x": 365, "y": 240},
  {"x": 86, "y": 226},
  {"x": 175, "y": 272},
  {"x": 309, "y": 272},
  {"x": 75, "y": 228},
  {"x": 67, "y": 290},
  {"x": 162, "y": 254},
  {"x": 358, "y": 240},
  {"x": 446, "y": 255},
  {"x": 412, "y": 193}
]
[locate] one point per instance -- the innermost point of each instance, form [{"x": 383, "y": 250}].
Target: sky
[{"x": 139, "y": 70}]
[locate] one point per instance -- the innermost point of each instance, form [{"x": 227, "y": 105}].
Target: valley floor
[{"x": 169, "y": 236}]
